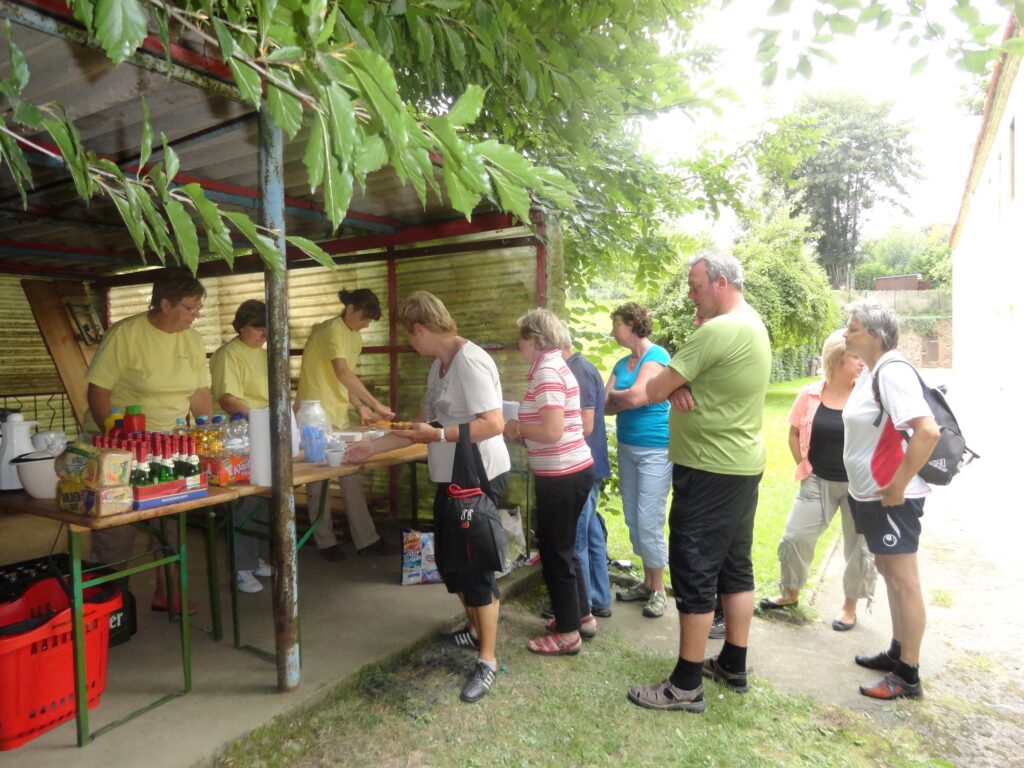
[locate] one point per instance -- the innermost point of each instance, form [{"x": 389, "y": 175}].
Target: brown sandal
[{"x": 588, "y": 627}]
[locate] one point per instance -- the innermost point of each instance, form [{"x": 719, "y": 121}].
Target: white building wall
[{"x": 988, "y": 277}]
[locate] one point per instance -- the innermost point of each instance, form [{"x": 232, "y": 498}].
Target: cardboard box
[
  {"x": 95, "y": 467},
  {"x": 227, "y": 470},
  {"x": 171, "y": 492},
  {"x": 72, "y": 496}
]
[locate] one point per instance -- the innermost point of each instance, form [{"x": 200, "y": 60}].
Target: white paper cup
[{"x": 335, "y": 457}]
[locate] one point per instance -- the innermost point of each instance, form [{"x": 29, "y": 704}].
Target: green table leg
[
  {"x": 213, "y": 573},
  {"x": 414, "y": 495},
  {"x": 232, "y": 536},
  {"x": 186, "y": 647},
  {"x": 78, "y": 637}
]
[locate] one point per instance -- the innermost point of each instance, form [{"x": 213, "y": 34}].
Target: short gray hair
[
  {"x": 720, "y": 265},
  {"x": 878, "y": 320},
  {"x": 543, "y": 327}
]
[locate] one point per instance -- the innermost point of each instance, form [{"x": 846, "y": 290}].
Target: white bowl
[{"x": 37, "y": 475}]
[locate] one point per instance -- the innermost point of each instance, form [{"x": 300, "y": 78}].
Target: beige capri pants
[{"x": 813, "y": 509}]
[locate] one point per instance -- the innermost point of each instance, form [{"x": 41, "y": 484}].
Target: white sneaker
[
  {"x": 264, "y": 569},
  {"x": 247, "y": 582}
]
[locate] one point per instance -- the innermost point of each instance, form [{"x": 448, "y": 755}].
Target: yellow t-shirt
[
  {"x": 328, "y": 341},
  {"x": 240, "y": 370},
  {"x": 142, "y": 365}
]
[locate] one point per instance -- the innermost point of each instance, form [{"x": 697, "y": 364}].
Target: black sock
[
  {"x": 907, "y": 672},
  {"x": 733, "y": 659},
  {"x": 686, "y": 675},
  {"x": 895, "y": 649}
]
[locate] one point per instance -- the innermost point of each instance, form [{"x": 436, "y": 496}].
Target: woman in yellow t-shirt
[
  {"x": 157, "y": 360},
  {"x": 240, "y": 383},
  {"x": 328, "y": 375}
]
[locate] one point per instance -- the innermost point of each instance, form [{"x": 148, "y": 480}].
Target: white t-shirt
[
  {"x": 873, "y": 454},
  {"x": 470, "y": 386}
]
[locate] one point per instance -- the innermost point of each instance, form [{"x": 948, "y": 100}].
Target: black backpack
[{"x": 951, "y": 453}]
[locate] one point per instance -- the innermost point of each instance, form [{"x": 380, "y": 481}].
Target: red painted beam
[
  {"x": 438, "y": 231},
  {"x": 17, "y": 268}
]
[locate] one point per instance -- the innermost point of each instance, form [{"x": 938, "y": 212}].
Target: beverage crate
[
  {"x": 37, "y": 659},
  {"x": 226, "y": 470},
  {"x": 171, "y": 492}
]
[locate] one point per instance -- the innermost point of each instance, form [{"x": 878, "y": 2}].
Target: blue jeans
[
  {"x": 593, "y": 552},
  {"x": 645, "y": 476}
]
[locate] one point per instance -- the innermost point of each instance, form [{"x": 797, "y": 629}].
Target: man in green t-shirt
[{"x": 716, "y": 385}]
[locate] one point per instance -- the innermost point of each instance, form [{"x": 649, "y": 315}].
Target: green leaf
[
  {"x": 28, "y": 115},
  {"x": 171, "y": 163},
  {"x": 313, "y": 157},
  {"x": 842, "y": 25},
  {"x": 218, "y": 239},
  {"x": 265, "y": 247},
  {"x": 120, "y": 27},
  {"x": 467, "y": 108},
  {"x": 16, "y": 163},
  {"x": 769, "y": 73},
  {"x": 779, "y": 7},
  {"x": 918, "y": 66},
  {"x": 184, "y": 233},
  {"x": 977, "y": 61},
  {"x": 285, "y": 109},
  {"x": 224, "y": 39},
  {"x": 1014, "y": 45},
  {"x": 803, "y": 66},
  {"x": 109, "y": 167},
  {"x": 285, "y": 54},
  {"x": 337, "y": 191},
  {"x": 156, "y": 231},
  {"x": 371, "y": 156},
  {"x": 342, "y": 125},
  {"x": 248, "y": 81},
  {"x": 871, "y": 12},
  {"x": 66, "y": 138},
  {"x": 83, "y": 11},
  {"x": 159, "y": 181},
  {"x": 135, "y": 225},
  {"x": 19, "y": 74},
  {"x": 512, "y": 197},
  {"x": 146, "y": 148},
  {"x": 264, "y": 17},
  {"x": 460, "y": 198},
  {"x": 314, "y": 251}
]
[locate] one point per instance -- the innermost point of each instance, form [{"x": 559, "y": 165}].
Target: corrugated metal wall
[{"x": 485, "y": 291}]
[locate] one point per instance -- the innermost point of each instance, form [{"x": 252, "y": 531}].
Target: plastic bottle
[
  {"x": 312, "y": 414},
  {"x": 215, "y": 441},
  {"x": 111, "y": 420},
  {"x": 193, "y": 457},
  {"x": 134, "y": 420},
  {"x": 117, "y": 431},
  {"x": 180, "y": 427},
  {"x": 201, "y": 432},
  {"x": 236, "y": 441}
]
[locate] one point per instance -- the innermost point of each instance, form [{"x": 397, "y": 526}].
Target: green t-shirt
[
  {"x": 328, "y": 341},
  {"x": 727, "y": 361}
]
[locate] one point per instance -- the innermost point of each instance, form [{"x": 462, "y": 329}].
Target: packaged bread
[{"x": 94, "y": 467}]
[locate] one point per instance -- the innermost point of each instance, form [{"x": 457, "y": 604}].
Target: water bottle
[
  {"x": 236, "y": 442},
  {"x": 215, "y": 440},
  {"x": 312, "y": 414}
]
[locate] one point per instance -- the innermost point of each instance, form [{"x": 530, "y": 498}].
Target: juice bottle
[
  {"x": 201, "y": 432},
  {"x": 215, "y": 439},
  {"x": 134, "y": 420}
]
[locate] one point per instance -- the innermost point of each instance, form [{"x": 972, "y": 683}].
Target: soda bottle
[
  {"x": 134, "y": 420},
  {"x": 193, "y": 467},
  {"x": 200, "y": 431},
  {"x": 140, "y": 466}
]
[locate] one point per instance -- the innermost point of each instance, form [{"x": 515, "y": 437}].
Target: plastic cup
[{"x": 335, "y": 457}]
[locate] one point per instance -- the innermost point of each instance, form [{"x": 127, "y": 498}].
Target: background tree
[
  {"x": 782, "y": 281},
  {"x": 901, "y": 251},
  {"x": 864, "y": 157}
]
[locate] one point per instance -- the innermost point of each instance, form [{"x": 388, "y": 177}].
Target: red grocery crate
[{"x": 37, "y": 678}]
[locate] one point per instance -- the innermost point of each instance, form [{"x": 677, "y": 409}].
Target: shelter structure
[{"x": 80, "y": 270}]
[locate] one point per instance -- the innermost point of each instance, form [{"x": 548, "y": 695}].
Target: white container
[
  {"x": 37, "y": 475},
  {"x": 259, "y": 445},
  {"x": 335, "y": 457}
]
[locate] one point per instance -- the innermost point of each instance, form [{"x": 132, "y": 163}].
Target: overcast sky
[{"x": 869, "y": 64}]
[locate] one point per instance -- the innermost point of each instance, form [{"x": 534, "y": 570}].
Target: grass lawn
[{"x": 562, "y": 712}]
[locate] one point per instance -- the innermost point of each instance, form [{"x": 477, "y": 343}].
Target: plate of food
[{"x": 391, "y": 425}]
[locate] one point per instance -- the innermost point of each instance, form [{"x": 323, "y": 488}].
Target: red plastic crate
[{"x": 37, "y": 679}]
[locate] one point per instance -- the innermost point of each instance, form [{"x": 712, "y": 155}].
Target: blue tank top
[{"x": 647, "y": 426}]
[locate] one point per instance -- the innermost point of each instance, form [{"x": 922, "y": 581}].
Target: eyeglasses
[{"x": 193, "y": 310}]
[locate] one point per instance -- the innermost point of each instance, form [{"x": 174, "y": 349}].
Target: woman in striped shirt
[{"x": 551, "y": 426}]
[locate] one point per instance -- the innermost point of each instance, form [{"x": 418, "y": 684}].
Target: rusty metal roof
[{"x": 193, "y": 102}]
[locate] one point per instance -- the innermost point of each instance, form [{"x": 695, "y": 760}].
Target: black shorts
[
  {"x": 711, "y": 530},
  {"x": 477, "y": 588},
  {"x": 888, "y": 530}
]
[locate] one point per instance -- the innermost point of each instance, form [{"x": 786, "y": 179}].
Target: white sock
[{"x": 491, "y": 665}]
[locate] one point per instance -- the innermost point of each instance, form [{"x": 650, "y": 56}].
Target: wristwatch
[{"x": 442, "y": 439}]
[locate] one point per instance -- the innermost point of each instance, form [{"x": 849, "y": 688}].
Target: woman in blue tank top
[{"x": 645, "y": 472}]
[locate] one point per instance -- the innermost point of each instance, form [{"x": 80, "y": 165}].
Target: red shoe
[
  {"x": 588, "y": 627},
  {"x": 159, "y": 604},
  {"x": 556, "y": 645},
  {"x": 892, "y": 686}
]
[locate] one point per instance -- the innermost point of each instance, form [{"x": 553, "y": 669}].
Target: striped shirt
[{"x": 550, "y": 384}]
